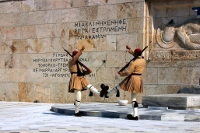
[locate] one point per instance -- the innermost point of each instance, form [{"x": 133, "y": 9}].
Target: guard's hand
[
  {"x": 87, "y": 72},
  {"x": 90, "y": 71},
  {"x": 128, "y": 47},
  {"x": 120, "y": 73},
  {"x": 83, "y": 47}
]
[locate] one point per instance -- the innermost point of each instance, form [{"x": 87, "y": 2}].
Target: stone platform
[
  {"x": 173, "y": 101},
  {"x": 113, "y": 110}
]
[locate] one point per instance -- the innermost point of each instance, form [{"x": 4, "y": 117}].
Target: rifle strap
[{"x": 79, "y": 73}]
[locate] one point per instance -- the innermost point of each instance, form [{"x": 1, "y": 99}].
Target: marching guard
[
  {"x": 133, "y": 81},
  {"x": 78, "y": 82}
]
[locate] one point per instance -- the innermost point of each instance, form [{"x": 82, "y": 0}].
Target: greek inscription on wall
[
  {"x": 55, "y": 67},
  {"x": 98, "y": 29}
]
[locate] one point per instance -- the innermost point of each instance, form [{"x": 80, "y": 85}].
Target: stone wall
[{"x": 33, "y": 33}]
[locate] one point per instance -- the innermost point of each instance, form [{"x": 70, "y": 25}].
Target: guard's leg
[
  {"x": 114, "y": 90},
  {"x": 135, "y": 108},
  {"x": 77, "y": 102},
  {"x": 93, "y": 90},
  {"x": 134, "y": 104}
]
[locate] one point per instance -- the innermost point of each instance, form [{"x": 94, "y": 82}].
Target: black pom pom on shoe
[
  {"x": 118, "y": 93},
  {"x": 104, "y": 91},
  {"x": 91, "y": 94}
]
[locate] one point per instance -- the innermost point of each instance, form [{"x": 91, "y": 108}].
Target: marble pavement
[{"x": 24, "y": 117}]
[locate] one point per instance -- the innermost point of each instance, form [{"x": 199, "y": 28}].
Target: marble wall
[
  {"x": 174, "y": 53},
  {"x": 33, "y": 33}
]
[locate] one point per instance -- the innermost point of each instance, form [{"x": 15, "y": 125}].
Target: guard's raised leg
[
  {"x": 93, "y": 90},
  {"x": 104, "y": 91}
]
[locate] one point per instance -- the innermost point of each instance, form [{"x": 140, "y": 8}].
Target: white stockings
[
  {"x": 114, "y": 90},
  {"x": 78, "y": 96},
  {"x": 77, "y": 100},
  {"x": 134, "y": 104},
  {"x": 92, "y": 89}
]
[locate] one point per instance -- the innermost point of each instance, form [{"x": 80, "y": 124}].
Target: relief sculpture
[
  {"x": 188, "y": 35},
  {"x": 165, "y": 38}
]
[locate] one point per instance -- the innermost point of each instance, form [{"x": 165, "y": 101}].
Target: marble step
[
  {"x": 172, "y": 101},
  {"x": 189, "y": 90}
]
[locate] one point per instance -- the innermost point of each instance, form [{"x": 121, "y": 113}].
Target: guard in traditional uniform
[
  {"x": 132, "y": 83},
  {"x": 78, "y": 82}
]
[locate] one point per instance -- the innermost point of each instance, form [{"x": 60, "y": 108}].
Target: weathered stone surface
[
  {"x": 190, "y": 90},
  {"x": 95, "y": 59},
  {"x": 169, "y": 75},
  {"x": 89, "y": 13},
  {"x": 33, "y": 34},
  {"x": 17, "y": 75},
  {"x": 184, "y": 55},
  {"x": 178, "y": 11},
  {"x": 71, "y": 15},
  {"x": 35, "y": 45},
  {"x": 44, "y": 31},
  {"x": 19, "y": 46},
  {"x": 155, "y": 89},
  {"x": 43, "y": 4},
  {"x": 27, "y": 6},
  {"x": 28, "y": 32},
  {"x": 119, "y": 1},
  {"x": 126, "y": 39},
  {"x": 130, "y": 10},
  {"x": 20, "y": 19},
  {"x": 26, "y": 92},
  {"x": 6, "y": 47},
  {"x": 6, "y": 19},
  {"x": 135, "y": 25},
  {"x": 115, "y": 59},
  {"x": 9, "y": 91},
  {"x": 147, "y": 76},
  {"x": 161, "y": 55},
  {"x": 30, "y": 92},
  {"x": 173, "y": 101},
  {"x": 173, "y": 89},
  {"x": 53, "y": 16},
  {"x": 107, "y": 44},
  {"x": 106, "y": 75},
  {"x": 14, "y": 7},
  {"x": 179, "y": 63},
  {"x": 196, "y": 77},
  {"x": 12, "y": 33},
  {"x": 36, "y": 17},
  {"x": 58, "y": 92},
  {"x": 107, "y": 12}
]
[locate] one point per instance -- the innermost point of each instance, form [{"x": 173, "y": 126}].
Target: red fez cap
[
  {"x": 74, "y": 52},
  {"x": 138, "y": 50}
]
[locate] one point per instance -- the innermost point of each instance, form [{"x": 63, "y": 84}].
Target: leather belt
[
  {"x": 135, "y": 74},
  {"x": 74, "y": 72},
  {"x": 129, "y": 77}
]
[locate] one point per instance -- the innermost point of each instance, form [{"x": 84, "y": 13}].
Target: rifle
[
  {"x": 86, "y": 68},
  {"x": 132, "y": 60}
]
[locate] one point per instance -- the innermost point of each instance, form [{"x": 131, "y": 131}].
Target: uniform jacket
[
  {"x": 76, "y": 82},
  {"x": 133, "y": 81}
]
